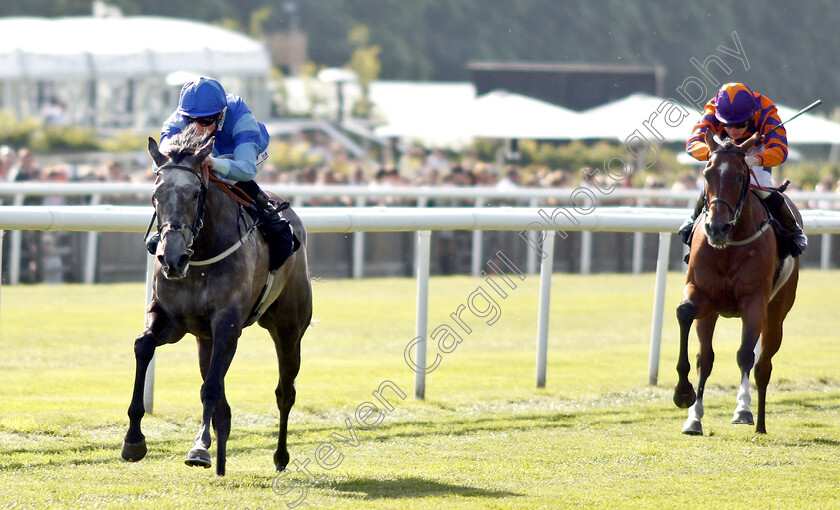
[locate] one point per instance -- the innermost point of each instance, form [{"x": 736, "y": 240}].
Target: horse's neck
[
  {"x": 752, "y": 214},
  {"x": 220, "y": 221}
]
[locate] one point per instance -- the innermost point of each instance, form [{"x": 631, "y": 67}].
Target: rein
[{"x": 232, "y": 191}]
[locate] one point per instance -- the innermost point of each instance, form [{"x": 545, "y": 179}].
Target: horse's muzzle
[
  {"x": 174, "y": 257},
  {"x": 175, "y": 270},
  {"x": 717, "y": 233}
]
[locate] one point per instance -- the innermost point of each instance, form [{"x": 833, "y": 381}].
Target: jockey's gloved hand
[{"x": 751, "y": 161}]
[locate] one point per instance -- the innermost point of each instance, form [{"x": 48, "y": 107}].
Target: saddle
[
  {"x": 277, "y": 231},
  {"x": 785, "y": 243}
]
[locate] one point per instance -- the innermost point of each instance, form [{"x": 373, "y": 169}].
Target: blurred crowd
[
  {"x": 414, "y": 167},
  {"x": 44, "y": 254}
]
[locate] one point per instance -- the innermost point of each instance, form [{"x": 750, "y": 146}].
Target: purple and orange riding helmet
[{"x": 734, "y": 103}]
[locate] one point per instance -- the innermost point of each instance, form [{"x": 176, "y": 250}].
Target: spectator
[
  {"x": 437, "y": 160},
  {"x": 25, "y": 169},
  {"x": 826, "y": 185},
  {"x": 8, "y": 158}
]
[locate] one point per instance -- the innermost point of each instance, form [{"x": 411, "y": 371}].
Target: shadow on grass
[{"x": 412, "y": 487}]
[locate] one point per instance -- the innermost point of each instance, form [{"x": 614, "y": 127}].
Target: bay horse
[
  {"x": 226, "y": 291},
  {"x": 734, "y": 270}
]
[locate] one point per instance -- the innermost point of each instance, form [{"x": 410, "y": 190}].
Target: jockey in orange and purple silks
[{"x": 737, "y": 112}]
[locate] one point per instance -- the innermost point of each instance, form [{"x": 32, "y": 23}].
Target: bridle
[
  {"x": 742, "y": 197},
  {"x": 177, "y": 226}
]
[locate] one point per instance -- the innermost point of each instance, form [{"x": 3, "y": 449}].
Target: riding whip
[{"x": 804, "y": 110}]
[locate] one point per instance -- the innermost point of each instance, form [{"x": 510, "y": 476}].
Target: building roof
[{"x": 44, "y": 48}]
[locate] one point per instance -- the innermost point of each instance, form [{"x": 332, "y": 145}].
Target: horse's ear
[
  {"x": 749, "y": 142},
  {"x": 154, "y": 151},
  {"x": 205, "y": 149},
  {"x": 710, "y": 141}
]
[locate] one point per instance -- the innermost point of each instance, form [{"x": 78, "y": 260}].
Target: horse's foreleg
[
  {"x": 225, "y": 337},
  {"x": 134, "y": 444},
  {"x": 705, "y": 361},
  {"x": 684, "y": 395},
  {"x": 743, "y": 415},
  {"x": 752, "y": 320},
  {"x": 159, "y": 332},
  {"x": 221, "y": 415}
]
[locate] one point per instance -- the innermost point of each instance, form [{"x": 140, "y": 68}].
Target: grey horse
[{"x": 217, "y": 298}]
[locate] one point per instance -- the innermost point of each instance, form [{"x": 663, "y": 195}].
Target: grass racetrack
[{"x": 597, "y": 436}]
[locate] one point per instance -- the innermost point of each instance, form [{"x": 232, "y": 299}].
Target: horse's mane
[
  {"x": 728, "y": 144},
  {"x": 184, "y": 144}
]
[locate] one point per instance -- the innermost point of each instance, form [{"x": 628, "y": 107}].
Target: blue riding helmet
[
  {"x": 202, "y": 97},
  {"x": 734, "y": 103}
]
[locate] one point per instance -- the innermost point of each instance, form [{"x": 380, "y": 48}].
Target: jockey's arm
[{"x": 243, "y": 165}]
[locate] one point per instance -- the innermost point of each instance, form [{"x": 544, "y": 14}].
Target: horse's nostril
[{"x": 183, "y": 260}]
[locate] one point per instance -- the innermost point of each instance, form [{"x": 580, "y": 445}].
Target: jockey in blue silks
[{"x": 239, "y": 151}]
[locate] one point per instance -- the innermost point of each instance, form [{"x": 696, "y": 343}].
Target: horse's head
[
  {"x": 179, "y": 194},
  {"x": 727, "y": 183}
]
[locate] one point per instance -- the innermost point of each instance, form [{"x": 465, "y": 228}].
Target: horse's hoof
[
  {"x": 692, "y": 427},
  {"x": 134, "y": 452},
  {"x": 684, "y": 399},
  {"x": 198, "y": 457},
  {"x": 743, "y": 418},
  {"x": 281, "y": 461}
]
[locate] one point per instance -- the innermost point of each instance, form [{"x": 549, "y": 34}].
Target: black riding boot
[
  {"x": 278, "y": 233},
  {"x": 152, "y": 243},
  {"x": 790, "y": 229},
  {"x": 687, "y": 227}
]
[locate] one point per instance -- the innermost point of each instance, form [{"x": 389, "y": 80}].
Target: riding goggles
[
  {"x": 204, "y": 121},
  {"x": 737, "y": 125}
]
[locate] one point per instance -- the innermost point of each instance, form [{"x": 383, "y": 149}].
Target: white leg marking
[
  {"x": 744, "y": 398},
  {"x": 743, "y": 415},
  {"x": 692, "y": 425},
  {"x": 695, "y": 412}
]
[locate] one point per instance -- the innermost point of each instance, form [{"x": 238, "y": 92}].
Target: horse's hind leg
[
  {"x": 287, "y": 322},
  {"x": 159, "y": 331},
  {"x": 288, "y": 359},
  {"x": 771, "y": 340},
  {"x": 705, "y": 360}
]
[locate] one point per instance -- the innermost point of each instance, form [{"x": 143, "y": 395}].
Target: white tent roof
[
  {"x": 621, "y": 118},
  {"x": 445, "y": 114},
  {"x": 809, "y": 129},
  {"x": 45, "y": 48},
  {"x": 502, "y": 114},
  {"x": 426, "y": 111}
]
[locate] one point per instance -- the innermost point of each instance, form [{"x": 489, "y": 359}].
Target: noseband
[{"x": 735, "y": 211}]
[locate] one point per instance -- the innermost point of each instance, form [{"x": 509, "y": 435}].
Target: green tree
[{"x": 365, "y": 63}]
